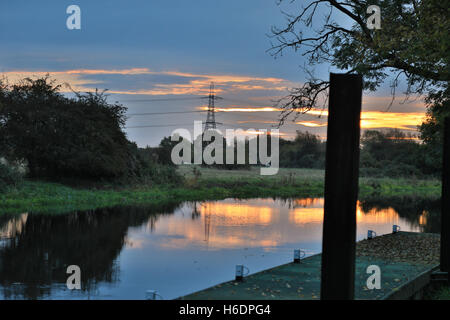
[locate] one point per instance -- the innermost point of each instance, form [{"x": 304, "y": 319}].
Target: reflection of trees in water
[
  {"x": 287, "y": 202},
  {"x": 419, "y": 211},
  {"x": 37, "y": 257},
  {"x": 295, "y": 203}
]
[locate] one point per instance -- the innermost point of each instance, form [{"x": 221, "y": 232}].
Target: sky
[{"x": 160, "y": 56}]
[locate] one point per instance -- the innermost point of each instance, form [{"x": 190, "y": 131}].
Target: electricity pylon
[{"x": 211, "y": 116}]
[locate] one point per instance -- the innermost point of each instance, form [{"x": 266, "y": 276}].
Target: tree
[
  {"x": 57, "y": 136},
  {"x": 432, "y": 131},
  {"x": 390, "y": 153},
  {"x": 305, "y": 151},
  {"x": 413, "y": 42},
  {"x": 9, "y": 176},
  {"x": 164, "y": 151}
]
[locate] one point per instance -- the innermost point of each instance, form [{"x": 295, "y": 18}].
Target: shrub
[
  {"x": 78, "y": 137},
  {"x": 9, "y": 177},
  {"x": 157, "y": 174}
]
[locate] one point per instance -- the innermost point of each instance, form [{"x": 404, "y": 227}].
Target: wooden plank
[
  {"x": 445, "y": 214},
  {"x": 341, "y": 187}
]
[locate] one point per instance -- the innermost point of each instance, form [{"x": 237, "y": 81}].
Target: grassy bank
[{"x": 206, "y": 184}]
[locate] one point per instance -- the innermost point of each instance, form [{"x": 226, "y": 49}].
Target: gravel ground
[{"x": 402, "y": 247}]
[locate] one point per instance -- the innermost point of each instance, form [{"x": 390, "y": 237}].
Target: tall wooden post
[
  {"x": 445, "y": 214},
  {"x": 341, "y": 187}
]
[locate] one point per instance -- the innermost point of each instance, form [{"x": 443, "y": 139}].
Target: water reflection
[
  {"x": 178, "y": 248},
  {"x": 36, "y": 249}
]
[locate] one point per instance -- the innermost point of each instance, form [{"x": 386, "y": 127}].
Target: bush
[
  {"x": 78, "y": 137},
  {"x": 155, "y": 174},
  {"x": 390, "y": 153},
  {"x": 9, "y": 177},
  {"x": 306, "y": 151}
]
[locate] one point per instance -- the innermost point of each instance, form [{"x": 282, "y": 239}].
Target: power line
[
  {"x": 160, "y": 125},
  {"x": 184, "y": 124},
  {"x": 249, "y": 102},
  {"x": 192, "y": 111},
  {"x": 163, "y": 99},
  {"x": 195, "y": 98},
  {"x": 157, "y": 113}
]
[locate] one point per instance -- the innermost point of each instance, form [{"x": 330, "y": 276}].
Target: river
[{"x": 175, "y": 249}]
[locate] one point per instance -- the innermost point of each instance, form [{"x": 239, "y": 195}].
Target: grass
[
  {"x": 210, "y": 184},
  {"x": 441, "y": 292}
]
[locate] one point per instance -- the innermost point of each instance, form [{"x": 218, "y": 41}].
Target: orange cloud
[
  {"x": 376, "y": 119},
  {"x": 198, "y": 85},
  {"x": 404, "y": 121},
  {"x": 369, "y": 119},
  {"x": 102, "y": 71},
  {"x": 312, "y": 124}
]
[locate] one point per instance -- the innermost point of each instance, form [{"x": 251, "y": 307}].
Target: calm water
[{"x": 177, "y": 249}]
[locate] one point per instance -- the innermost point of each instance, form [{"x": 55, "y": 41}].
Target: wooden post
[
  {"x": 445, "y": 213},
  {"x": 341, "y": 187}
]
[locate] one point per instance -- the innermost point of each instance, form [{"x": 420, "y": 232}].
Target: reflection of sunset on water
[
  {"x": 309, "y": 202},
  {"x": 238, "y": 213},
  {"x": 14, "y": 226},
  {"x": 424, "y": 218},
  {"x": 302, "y": 216},
  {"x": 381, "y": 221},
  {"x": 224, "y": 224},
  {"x": 264, "y": 223}
]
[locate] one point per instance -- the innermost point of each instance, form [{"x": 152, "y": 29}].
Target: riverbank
[{"x": 208, "y": 184}]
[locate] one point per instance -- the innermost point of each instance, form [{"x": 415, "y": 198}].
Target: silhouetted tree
[
  {"x": 305, "y": 151},
  {"x": 58, "y": 136},
  {"x": 412, "y": 43},
  {"x": 390, "y": 153}
]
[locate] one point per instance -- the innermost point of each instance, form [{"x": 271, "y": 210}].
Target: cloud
[
  {"x": 400, "y": 104},
  {"x": 398, "y": 120},
  {"x": 312, "y": 124},
  {"x": 182, "y": 83},
  {"x": 376, "y": 120}
]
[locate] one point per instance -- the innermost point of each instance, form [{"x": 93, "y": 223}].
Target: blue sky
[
  {"x": 201, "y": 36},
  {"x": 153, "y": 49}
]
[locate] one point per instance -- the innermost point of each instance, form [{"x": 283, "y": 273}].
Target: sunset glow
[
  {"x": 376, "y": 120},
  {"x": 405, "y": 121},
  {"x": 197, "y": 84},
  {"x": 312, "y": 124},
  {"x": 231, "y": 224}
]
